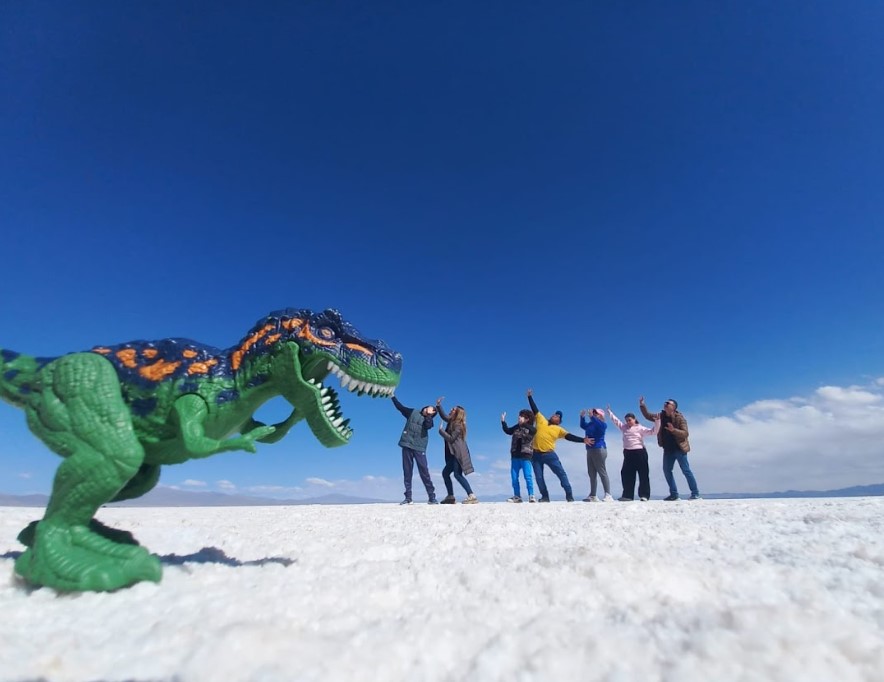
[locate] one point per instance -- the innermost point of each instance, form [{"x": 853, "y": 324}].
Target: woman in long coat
[{"x": 457, "y": 453}]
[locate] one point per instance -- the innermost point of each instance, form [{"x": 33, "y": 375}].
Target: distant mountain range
[{"x": 173, "y": 497}]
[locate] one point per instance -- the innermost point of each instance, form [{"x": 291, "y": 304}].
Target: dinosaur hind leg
[{"x": 81, "y": 414}]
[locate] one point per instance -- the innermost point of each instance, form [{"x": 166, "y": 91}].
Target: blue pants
[
  {"x": 669, "y": 460},
  {"x": 409, "y": 459},
  {"x": 523, "y": 465},
  {"x": 452, "y": 466},
  {"x": 550, "y": 459}
]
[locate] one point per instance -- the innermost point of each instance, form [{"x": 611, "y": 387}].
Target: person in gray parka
[{"x": 413, "y": 442}]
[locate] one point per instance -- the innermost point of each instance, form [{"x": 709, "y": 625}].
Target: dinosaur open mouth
[{"x": 360, "y": 387}]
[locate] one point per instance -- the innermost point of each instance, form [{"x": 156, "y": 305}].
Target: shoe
[
  {"x": 608, "y": 498},
  {"x": 625, "y": 499},
  {"x": 448, "y": 499},
  {"x": 569, "y": 498},
  {"x": 405, "y": 502},
  {"x": 643, "y": 499},
  {"x": 591, "y": 498},
  {"x": 671, "y": 498},
  {"x": 432, "y": 500},
  {"x": 696, "y": 496},
  {"x": 471, "y": 499},
  {"x": 543, "y": 499},
  {"x": 514, "y": 498},
  {"x": 531, "y": 498}
]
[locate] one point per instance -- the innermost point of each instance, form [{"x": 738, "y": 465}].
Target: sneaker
[
  {"x": 432, "y": 500},
  {"x": 696, "y": 496},
  {"x": 543, "y": 499},
  {"x": 608, "y": 497},
  {"x": 591, "y": 498},
  {"x": 471, "y": 499},
  {"x": 514, "y": 498},
  {"x": 569, "y": 498},
  {"x": 643, "y": 499},
  {"x": 531, "y": 498},
  {"x": 626, "y": 499},
  {"x": 448, "y": 499},
  {"x": 671, "y": 498},
  {"x": 405, "y": 502}
]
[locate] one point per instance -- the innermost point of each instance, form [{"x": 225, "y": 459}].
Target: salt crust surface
[{"x": 709, "y": 590}]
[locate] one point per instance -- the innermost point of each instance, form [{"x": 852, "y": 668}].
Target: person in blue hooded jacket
[{"x": 597, "y": 453}]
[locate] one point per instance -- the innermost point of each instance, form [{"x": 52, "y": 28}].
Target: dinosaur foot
[
  {"x": 78, "y": 559},
  {"x": 26, "y": 536}
]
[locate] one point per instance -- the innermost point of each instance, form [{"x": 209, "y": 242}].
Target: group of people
[{"x": 532, "y": 447}]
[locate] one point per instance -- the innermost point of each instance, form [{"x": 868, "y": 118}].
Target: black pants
[{"x": 635, "y": 461}]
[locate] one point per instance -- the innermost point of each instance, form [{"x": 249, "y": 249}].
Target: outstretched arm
[
  {"x": 441, "y": 410},
  {"x": 577, "y": 439},
  {"x": 404, "y": 411},
  {"x": 280, "y": 430},
  {"x": 190, "y": 412}
]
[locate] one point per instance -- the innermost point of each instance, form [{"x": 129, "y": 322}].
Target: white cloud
[
  {"x": 274, "y": 490},
  {"x": 225, "y": 485},
  {"x": 25, "y": 475},
  {"x": 321, "y": 482},
  {"x": 194, "y": 484},
  {"x": 831, "y": 439}
]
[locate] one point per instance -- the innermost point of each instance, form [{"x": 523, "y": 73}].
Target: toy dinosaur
[{"x": 119, "y": 413}]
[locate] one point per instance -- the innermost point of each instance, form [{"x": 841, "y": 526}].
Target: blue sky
[{"x": 593, "y": 200}]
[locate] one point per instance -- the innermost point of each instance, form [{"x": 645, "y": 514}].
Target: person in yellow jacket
[{"x": 548, "y": 432}]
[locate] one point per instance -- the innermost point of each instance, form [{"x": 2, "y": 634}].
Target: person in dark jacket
[
  {"x": 413, "y": 442},
  {"x": 521, "y": 452},
  {"x": 457, "y": 454}
]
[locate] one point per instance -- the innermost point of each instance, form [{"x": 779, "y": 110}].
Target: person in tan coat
[{"x": 673, "y": 438}]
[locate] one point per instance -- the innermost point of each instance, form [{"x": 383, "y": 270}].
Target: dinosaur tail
[{"x": 18, "y": 374}]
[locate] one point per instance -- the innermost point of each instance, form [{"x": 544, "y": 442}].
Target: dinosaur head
[{"x": 311, "y": 348}]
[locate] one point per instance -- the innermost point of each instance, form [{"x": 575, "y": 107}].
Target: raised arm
[
  {"x": 405, "y": 411},
  {"x": 619, "y": 424},
  {"x": 531, "y": 402},
  {"x": 650, "y": 416},
  {"x": 441, "y": 410}
]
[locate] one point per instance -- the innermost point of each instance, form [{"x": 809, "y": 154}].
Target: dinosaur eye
[{"x": 326, "y": 333}]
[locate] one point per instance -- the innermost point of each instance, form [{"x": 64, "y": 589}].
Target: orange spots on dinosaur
[
  {"x": 158, "y": 370},
  {"x": 361, "y": 349},
  {"x": 101, "y": 349},
  {"x": 127, "y": 357},
  {"x": 149, "y": 352},
  {"x": 236, "y": 358},
  {"x": 189, "y": 353},
  {"x": 201, "y": 367},
  {"x": 288, "y": 325},
  {"x": 273, "y": 338}
]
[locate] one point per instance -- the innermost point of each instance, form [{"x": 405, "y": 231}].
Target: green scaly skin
[{"x": 118, "y": 414}]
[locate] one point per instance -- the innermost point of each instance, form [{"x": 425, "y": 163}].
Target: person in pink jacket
[{"x": 635, "y": 456}]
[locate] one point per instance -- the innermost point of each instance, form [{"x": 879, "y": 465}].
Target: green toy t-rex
[{"x": 119, "y": 413}]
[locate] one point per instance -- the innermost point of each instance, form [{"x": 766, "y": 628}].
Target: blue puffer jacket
[{"x": 594, "y": 428}]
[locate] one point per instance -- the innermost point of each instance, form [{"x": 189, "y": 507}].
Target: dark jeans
[
  {"x": 635, "y": 462},
  {"x": 409, "y": 459},
  {"x": 550, "y": 459},
  {"x": 453, "y": 466}
]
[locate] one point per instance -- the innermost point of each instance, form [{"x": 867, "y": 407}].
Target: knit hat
[
  {"x": 599, "y": 410},
  {"x": 558, "y": 412}
]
